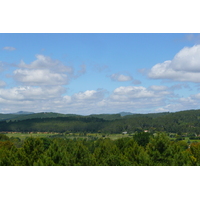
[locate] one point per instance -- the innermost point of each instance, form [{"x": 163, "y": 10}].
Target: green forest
[
  {"x": 160, "y": 139},
  {"x": 143, "y": 149},
  {"x": 184, "y": 122}
]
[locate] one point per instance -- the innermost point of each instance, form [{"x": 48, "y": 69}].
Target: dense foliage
[
  {"x": 184, "y": 122},
  {"x": 141, "y": 150}
]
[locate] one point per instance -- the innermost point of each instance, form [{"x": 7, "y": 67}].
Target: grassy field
[
  {"x": 22, "y": 136},
  {"x": 185, "y": 139}
]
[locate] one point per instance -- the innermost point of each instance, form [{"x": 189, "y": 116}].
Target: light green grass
[{"x": 22, "y": 136}]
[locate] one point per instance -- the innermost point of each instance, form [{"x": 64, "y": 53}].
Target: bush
[{"x": 4, "y": 137}]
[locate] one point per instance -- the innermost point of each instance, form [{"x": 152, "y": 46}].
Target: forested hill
[
  {"x": 107, "y": 116},
  {"x": 23, "y": 116},
  {"x": 178, "y": 122},
  {"x": 30, "y": 115}
]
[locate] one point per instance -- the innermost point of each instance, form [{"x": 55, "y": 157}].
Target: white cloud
[
  {"x": 45, "y": 71},
  {"x": 123, "y": 78},
  {"x": 196, "y": 96},
  {"x": 89, "y": 95},
  {"x": 40, "y": 77},
  {"x": 9, "y": 48},
  {"x": 185, "y": 66},
  {"x": 44, "y": 98},
  {"x": 162, "y": 109},
  {"x": 183, "y": 103},
  {"x": 41, "y": 88},
  {"x": 87, "y": 102},
  {"x": 130, "y": 98},
  {"x": 129, "y": 93},
  {"x": 120, "y": 77},
  {"x": 43, "y": 62},
  {"x": 136, "y": 99},
  {"x": 31, "y": 93}
]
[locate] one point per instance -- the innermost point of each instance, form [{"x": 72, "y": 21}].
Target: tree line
[
  {"x": 179, "y": 123},
  {"x": 143, "y": 149}
]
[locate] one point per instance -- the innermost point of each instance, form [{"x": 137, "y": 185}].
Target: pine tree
[
  {"x": 32, "y": 149},
  {"x": 136, "y": 154},
  {"x": 56, "y": 155},
  {"x": 159, "y": 151}
]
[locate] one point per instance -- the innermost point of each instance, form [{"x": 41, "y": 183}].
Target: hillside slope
[{"x": 184, "y": 122}]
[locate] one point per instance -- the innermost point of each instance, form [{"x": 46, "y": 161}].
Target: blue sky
[
  {"x": 86, "y": 73},
  {"x": 100, "y": 73}
]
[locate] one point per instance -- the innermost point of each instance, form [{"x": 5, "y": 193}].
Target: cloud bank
[
  {"x": 45, "y": 71},
  {"x": 185, "y": 66},
  {"x": 41, "y": 86}
]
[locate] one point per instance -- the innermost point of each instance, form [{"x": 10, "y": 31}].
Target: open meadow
[{"x": 22, "y": 136}]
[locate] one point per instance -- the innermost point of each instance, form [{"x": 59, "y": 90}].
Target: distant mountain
[
  {"x": 10, "y": 116},
  {"x": 23, "y": 116},
  {"x": 7, "y": 116},
  {"x": 23, "y": 113},
  {"x": 106, "y": 116},
  {"x": 125, "y": 113}
]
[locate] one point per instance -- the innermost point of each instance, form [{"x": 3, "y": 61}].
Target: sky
[
  {"x": 100, "y": 73},
  {"x": 94, "y": 73}
]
